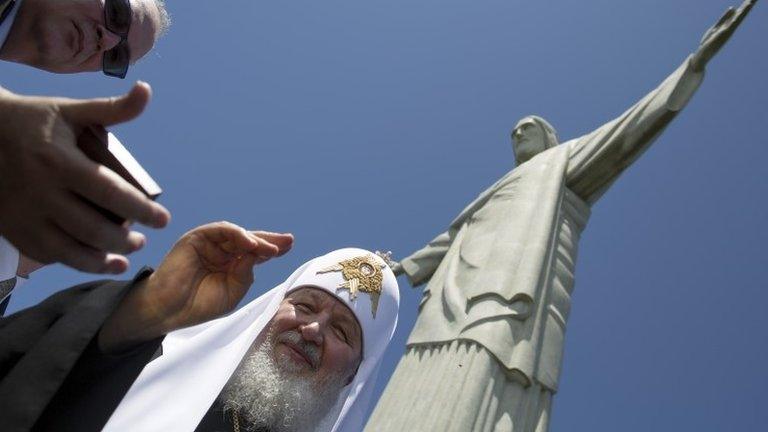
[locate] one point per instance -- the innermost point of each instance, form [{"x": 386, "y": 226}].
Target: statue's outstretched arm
[
  {"x": 420, "y": 265},
  {"x": 598, "y": 158}
]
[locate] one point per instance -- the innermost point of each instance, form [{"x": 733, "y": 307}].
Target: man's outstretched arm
[{"x": 204, "y": 276}]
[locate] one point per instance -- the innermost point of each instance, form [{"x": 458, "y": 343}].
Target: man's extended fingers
[
  {"x": 107, "y": 111},
  {"x": 283, "y": 241},
  {"x": 70, "y": 252},
  {"x": 106, "y": 189},
  {"x": 265, "y": 248},
  {"x": 86, "y": 225},
  {"x": 234, "y": 240},
  {"x": 231, "y": 238},
  {"x": 239, "y": 246}
]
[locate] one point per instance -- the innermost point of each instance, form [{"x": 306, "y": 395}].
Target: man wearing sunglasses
[
  {"x": 44, "y": 178},
  {"x": 67, "y": 36}
]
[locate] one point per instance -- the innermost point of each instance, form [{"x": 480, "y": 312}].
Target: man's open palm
[
  {"x": 210, "y": 269},
  {"x": 205, "y": 275}
]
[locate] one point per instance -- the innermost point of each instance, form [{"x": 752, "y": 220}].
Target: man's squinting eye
[
  {"x": 304, "y": 307},
  {"x": 342, "y": 333}
]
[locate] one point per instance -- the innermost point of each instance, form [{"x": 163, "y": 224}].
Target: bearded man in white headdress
[{"x": 301, "y": 357}]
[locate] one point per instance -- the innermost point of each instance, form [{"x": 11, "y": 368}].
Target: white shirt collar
[
  {"x": 5, "y": 27},
  {"x": 9, "y": 259},
  {"x": 9, "y": 262}
]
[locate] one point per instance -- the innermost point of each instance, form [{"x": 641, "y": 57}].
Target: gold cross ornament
[{"x": 361, "y": 273}]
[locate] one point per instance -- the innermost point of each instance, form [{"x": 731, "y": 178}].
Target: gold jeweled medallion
[{"x": 361, "y": 273}]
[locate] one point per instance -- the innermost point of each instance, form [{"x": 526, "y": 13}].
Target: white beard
[{"x": 273, "y": 393}]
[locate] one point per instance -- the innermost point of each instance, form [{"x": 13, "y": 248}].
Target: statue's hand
[
  {"x": 395, "y": 266},
  {"x": 718, "y": 35}
]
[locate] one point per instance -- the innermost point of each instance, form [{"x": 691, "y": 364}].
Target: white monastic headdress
[{"x": 174, "y": 391}]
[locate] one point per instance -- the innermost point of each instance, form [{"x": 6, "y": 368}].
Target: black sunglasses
[{"x": 117, "y": 19}]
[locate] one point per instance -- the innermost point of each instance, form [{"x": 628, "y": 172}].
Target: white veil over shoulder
[{"x": 174, "y": 391}]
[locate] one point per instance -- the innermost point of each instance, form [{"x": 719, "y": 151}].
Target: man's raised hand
[
  {"x": 47, "y": 183},
  {"x": 205, "y": 275}
]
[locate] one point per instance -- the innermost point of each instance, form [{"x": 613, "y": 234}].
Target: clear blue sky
[{"x": 373, "y": 124}]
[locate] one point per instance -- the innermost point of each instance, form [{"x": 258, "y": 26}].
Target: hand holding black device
[{"x": 104, "y": 148}]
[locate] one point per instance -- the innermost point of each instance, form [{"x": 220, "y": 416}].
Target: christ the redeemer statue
[{"x": 486, "y": 350}]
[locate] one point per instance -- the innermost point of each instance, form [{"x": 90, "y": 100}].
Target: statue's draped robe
[{"x": 486, "y": 350}]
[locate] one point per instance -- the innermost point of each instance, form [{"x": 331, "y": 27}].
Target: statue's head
[{"x": 531, "y": 136}]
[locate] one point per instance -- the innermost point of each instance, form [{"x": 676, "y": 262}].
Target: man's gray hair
[{"x": 165, "y": 18}]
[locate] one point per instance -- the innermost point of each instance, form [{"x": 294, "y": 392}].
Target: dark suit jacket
[
  {"x": 49, "y": 362},
  {"x": 53, "y": 376}
]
